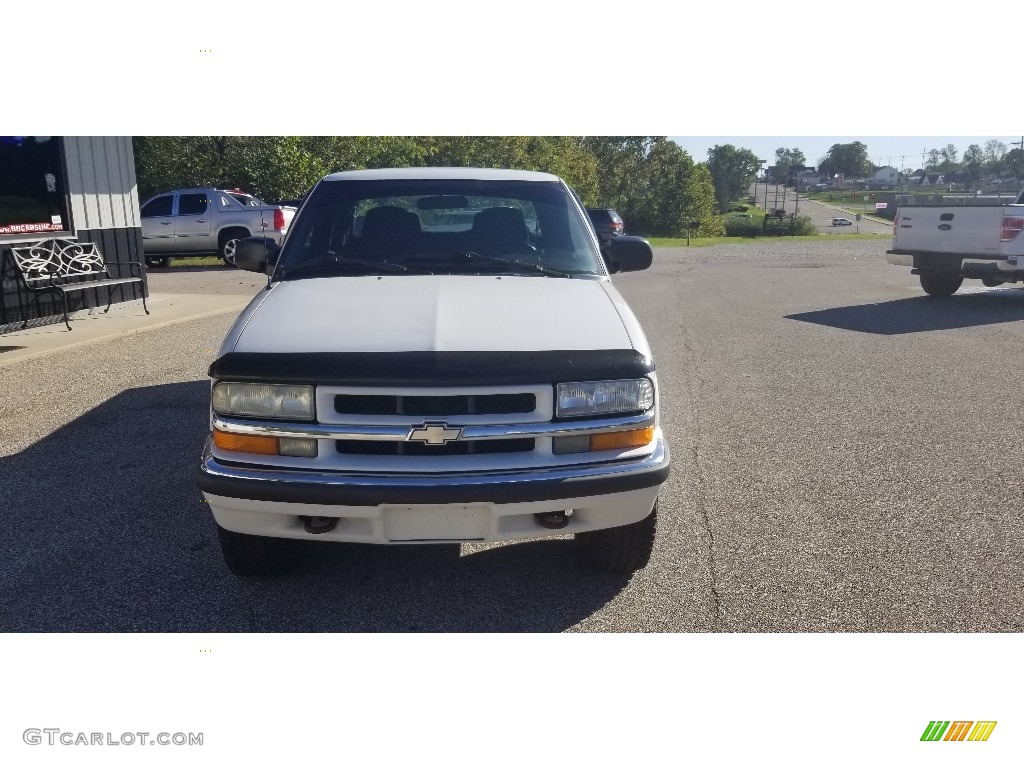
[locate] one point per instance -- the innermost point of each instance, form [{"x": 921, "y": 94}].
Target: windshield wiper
[
  {"x": 328, "y": 267},
  {"x": 474, "y": 256}
]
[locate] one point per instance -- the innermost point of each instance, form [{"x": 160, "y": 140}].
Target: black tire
[
  {"x": 227, "y": 242},
  {"x": 625, "y": 549},
  {"x": 248, "y": 555},
  {"x": 990, "y": 282},
  {"x": 940, "y": 284},
  {"x": 158, "y": 261}
]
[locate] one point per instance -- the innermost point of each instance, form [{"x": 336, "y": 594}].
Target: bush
[
  {"x": 742, "y": 227},
  {"x": 802, "y": 225}
]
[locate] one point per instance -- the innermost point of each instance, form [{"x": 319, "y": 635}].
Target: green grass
[
  {"x": 196, "y": 261},
  {"x": 700, "y": 242}
]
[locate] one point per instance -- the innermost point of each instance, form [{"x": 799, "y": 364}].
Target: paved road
[
  {"x": 821, "y": 214},
  {"x": 845, "y": 459}
]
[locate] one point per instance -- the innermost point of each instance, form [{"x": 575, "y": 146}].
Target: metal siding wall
[
  {"x": 72, "y": 158},
  {"x": 101, "y": 182}
]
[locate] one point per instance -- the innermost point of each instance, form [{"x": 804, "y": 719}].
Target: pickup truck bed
[{"x": 946, "y": 244}]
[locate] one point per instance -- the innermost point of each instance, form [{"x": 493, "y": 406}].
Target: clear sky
[{"x": 897, "y": 151}]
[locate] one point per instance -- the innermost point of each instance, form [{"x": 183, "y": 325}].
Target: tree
[
  {"x": 651, "y": 180},
  {"x": 620, "y": 160},
  {"x": 995, "y": 150},
  {"x": 949, "y": 155},
  {"x": 167, "y": 162},
  {"x": 934, "y": 159},
  {"x": 974, "y": 158},
  {"x": 699, "y": 205},
  {"x": 786, "y": 159},
  {"x": 732, "y": 172},
  {"x": 1014, "y": 163},
  {"x": 848, "y": 159}
]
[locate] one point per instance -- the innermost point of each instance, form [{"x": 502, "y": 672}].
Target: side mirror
[
  {"x": 627, "y": 254},
  {"x": 256, "y": 254}
]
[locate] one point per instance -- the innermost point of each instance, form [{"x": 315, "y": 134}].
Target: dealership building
[{"x": 75, "y": 188}]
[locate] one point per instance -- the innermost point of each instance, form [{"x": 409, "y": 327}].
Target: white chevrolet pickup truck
[
  {"x": 945, "y": 244},
  {"x": 439, "y": 356}
]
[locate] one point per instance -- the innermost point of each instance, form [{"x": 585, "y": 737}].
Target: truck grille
[
  {"x": 457, "y": 448},
  {"x": 403, "y": 409},
  {"x": 435, "y": 405}
]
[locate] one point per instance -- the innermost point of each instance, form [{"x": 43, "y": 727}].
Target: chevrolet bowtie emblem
[{"x": 434, "y": 434}]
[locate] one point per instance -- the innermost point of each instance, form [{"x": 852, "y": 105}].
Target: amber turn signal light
[
  {"x": 229, "y": 441},
  {"x": 610, "y": 441}
]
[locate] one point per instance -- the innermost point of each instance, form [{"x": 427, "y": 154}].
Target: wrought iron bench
[{"x": 62, "y": 266}]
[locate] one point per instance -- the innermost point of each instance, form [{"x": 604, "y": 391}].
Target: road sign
[{"x": 857, "y": 217}]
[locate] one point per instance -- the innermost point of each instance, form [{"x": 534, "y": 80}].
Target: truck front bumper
[{"x": 408, "y": 508}]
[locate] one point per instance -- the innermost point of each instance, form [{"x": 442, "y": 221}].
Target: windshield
[{"x": 439, "y": 226}]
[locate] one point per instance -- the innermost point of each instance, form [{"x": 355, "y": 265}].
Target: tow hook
[
  {"x": 318, "y": 524},
  {"x": 553, "y": 520}
]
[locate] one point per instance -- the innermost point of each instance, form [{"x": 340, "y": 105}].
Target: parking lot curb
[{"x": 20, "y": 358}]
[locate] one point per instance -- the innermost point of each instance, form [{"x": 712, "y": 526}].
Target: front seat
[
  {"x": 390, "y": 227},
  {"x": 500, "y": 230}
]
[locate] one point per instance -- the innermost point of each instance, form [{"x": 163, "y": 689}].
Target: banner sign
[{"x": 17, "y": 229}]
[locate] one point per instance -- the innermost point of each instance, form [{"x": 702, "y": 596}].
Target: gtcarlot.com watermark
[{"x": 55, "y": 736}]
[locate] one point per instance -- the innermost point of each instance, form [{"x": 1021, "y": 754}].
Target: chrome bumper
[{"x": 244, "y": 481}]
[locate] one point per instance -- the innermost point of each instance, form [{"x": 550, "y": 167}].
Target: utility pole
[{"x": 1017, "y": 172}]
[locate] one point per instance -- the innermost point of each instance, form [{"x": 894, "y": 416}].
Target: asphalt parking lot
[{"x": 846, "y": 458}]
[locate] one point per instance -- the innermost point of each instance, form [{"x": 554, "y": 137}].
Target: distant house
[
  {"x": 931, "y": 179},
  {"x": 803, "y": 178},
  {"x": 958, "y": 177},
  {"x": 886, "y": 176}
]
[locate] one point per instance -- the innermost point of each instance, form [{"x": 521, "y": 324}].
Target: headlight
[
  {"x": 595, "y": 398},
  {"x": 264, "y": 401}
]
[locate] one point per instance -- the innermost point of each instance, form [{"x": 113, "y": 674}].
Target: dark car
[{"x": 607, "y": 223}]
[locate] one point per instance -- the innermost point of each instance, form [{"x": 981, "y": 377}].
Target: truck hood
[{"x": 436, "y": 313}]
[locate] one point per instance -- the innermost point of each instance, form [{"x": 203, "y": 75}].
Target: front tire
[
  {"x": 157, "y": 261},
  {"x": 249, "y": 555},
  {"x": 624, "y": 549},
  {"x": 940, "y": 284}
]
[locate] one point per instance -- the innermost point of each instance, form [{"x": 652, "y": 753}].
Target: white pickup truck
[
  {"x": 439, "y": 356},
  {"x": 203, "y": 220},
  {"x": 945, "y": 244}
]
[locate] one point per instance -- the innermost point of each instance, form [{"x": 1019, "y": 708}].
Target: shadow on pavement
[
  {"x": 923, "y": 313},
  {"x": 106, "y": 531}
]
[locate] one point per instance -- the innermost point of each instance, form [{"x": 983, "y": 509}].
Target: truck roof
[{"x": 476, "y": 174}]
